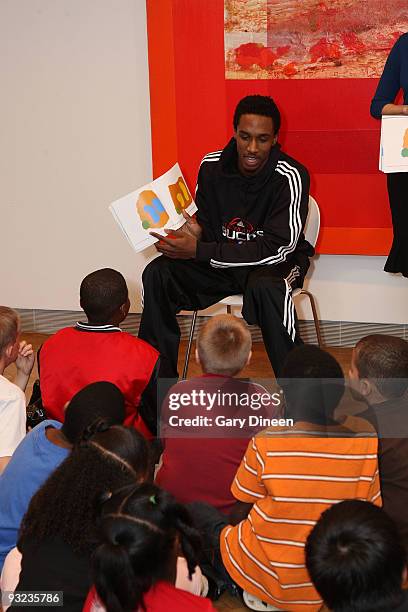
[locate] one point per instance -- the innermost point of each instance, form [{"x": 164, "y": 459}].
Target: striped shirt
[{"x": 291, "y": 480}]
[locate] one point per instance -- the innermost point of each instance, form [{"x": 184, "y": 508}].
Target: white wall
[
  {"x": 351, "y": 288},
  {"x": 355, "y": 288},
  {"x": 75, "y": 135}
]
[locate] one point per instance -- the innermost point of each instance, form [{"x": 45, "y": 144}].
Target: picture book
[{"x": 156, "y": 207}]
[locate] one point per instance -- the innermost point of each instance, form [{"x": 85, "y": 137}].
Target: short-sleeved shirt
[
  {"x": 31, "y": 464},
  {"x": 12, "y": 417},
  {"x": 291, "y": 480},
  {"x": 199, "y": 462}
]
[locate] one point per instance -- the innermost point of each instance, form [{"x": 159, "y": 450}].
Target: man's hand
[
  {"x": 180, "y": 245},
  {"x": 25, "y": 358},
  {"x": 191, "y": 226}
]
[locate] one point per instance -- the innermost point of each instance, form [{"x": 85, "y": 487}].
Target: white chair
[{"x": 311, "y": 231}]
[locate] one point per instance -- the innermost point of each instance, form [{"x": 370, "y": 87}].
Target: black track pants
[{"x": 172, "y": 285}]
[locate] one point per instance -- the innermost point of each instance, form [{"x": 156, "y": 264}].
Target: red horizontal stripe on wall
[
  {"x": 355, "y": 200},
  {"x": 335, "y": 151},
  {"x": 354, "y": 241},
  {"x": 314, "y": 104}
]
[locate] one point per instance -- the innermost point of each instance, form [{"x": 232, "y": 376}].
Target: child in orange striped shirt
[{"x": 287, "y": 478}]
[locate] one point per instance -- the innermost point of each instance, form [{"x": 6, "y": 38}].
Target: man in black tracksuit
[{"x": 247, "y": 239}]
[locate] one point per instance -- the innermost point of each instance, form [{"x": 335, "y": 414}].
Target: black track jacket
[{"x": 251, "y": 221}]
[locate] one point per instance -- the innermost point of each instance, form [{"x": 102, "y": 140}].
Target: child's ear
[
  {"x": 124, "y": 309},
  {"x": 249, "y": 358},
  {"x": 365, "y": 387},
  {"x": 9, "y": 351}
]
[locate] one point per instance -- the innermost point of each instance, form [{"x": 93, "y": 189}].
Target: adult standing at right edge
[{"x": 394, "y": 78}]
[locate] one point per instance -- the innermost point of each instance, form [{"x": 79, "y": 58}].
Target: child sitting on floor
[
  {"x": 379, "y": 378},
  {"x": 137, "y": 564},
  {"x": 99, "y": 350},
  {"x": 58, "y": 534},
  {"x": 357, "y": 560},
  {"x": 44, "y": 448},
  {"x": 12, "y": 398},
  {"x": 287, "y": 478},
  {"x": 206, "y": 420}
]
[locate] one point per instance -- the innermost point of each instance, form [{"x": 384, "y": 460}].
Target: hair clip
[{"x": 152, "y": 499}]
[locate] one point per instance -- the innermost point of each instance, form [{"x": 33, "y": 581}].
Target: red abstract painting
[{"x": 310, "y": 39}]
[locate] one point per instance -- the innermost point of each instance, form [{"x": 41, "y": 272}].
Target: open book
[
  {"x": 154, "y": 207},
  {"x": 394, "y": 143}
]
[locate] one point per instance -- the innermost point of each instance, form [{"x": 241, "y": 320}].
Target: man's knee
[
  {"x": 155, "y": 270},
  {"x": 260, "y": 285}
]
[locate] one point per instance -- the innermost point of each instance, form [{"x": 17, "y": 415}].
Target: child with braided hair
[
  {"x": 137, "y": 565},
  {"x": 44, "y": 448},
  {"x": 59, "y": 533}
]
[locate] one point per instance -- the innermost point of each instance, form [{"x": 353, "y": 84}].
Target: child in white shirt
[{"x": 12, "y": 398}]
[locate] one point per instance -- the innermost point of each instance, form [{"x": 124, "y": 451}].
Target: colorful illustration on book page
[
  {"x": 180, "y": 195},
  {"x": 150, "y": 210},
  {"x": 310, "y": 39},
  {"x": 404, "y": 152}
]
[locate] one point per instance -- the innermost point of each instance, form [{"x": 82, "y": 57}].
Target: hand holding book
[
  {"x": 180, "y": 243},
  {"x": 164, "y": 205}
]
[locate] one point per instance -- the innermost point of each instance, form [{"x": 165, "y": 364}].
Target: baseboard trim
[{"x": 335, "y": 333}]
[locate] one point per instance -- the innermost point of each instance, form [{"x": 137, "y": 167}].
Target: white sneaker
[{"x": 254, "y": 603}]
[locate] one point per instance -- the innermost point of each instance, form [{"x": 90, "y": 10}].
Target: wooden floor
[{"x": 258, "y": 368}]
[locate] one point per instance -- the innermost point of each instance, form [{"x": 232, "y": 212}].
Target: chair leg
[
  {"x": 315, "y": 317},
  {"x": 190, "y": 342}
]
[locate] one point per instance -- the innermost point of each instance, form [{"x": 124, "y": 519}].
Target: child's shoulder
[
  {"x": 9, "y": 391},
  {"x": 137, "y": 346}
]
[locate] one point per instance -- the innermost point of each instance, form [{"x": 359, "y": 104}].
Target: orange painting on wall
[{"x": 310, "y": 39}]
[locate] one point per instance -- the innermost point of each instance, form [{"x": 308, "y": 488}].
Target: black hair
[
  {"x": 102, "y": 293},
  {"x": 65, "y": 506},
  {"x": 140, "y": 528},
  {"x": 258, "y": 105},
  {"x": 313, "y": 384},
  {"x": 95, "y": 401},
  {"x": 384, "y": 359},
  {"x": 355, "y": 558}
]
